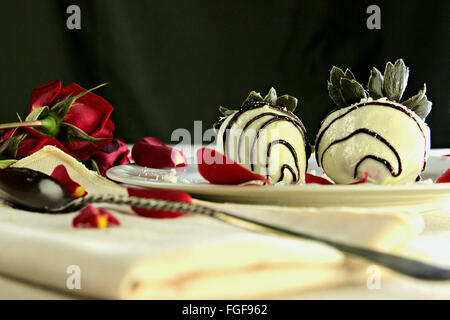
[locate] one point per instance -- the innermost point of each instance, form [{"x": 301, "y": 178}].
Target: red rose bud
[
  {"x": 310, "y": 178},
  {"x": 169, "y": 195},
  {"x": 217, "y": 168},
  {"x": 60, "y": 173},
  {"x": 152, "y": 153},
  {"x": 366, "y": 175},
  {"x": 92, "y": 217},
  {"x": 114, "y": 154},
  {"x": 72, "y": 119},
  {"x": 444, "y": 178}
]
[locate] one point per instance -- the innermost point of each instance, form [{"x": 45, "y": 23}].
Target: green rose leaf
[
  {"x": 11, "y": 145},
  {"x": 37, "y": 114},
  {"x": 76, "y": 134},
  {"x": 94, "y": 165},
  {"x": 62, "y": 108},
  {"x": 6, "y": 163},
  {"x": 15, "y": 144}
]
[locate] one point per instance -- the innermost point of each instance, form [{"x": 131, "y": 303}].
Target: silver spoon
[{"x": 36, "y": 191}]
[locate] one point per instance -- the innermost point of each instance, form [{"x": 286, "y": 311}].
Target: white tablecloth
[{"x": 435, "y": 240}]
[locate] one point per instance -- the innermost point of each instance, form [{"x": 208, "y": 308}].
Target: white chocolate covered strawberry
[
  {"x": 372, "y": 131},
  {"x": 266, "y": 137}
]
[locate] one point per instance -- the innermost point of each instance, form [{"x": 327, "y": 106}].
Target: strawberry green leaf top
[
  {"x": 344, "y": 90},
  {"x": 285, "y": 101}
]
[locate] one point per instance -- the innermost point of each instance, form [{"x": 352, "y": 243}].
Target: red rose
[
  {"x": 33, "y": 142},
  {"x": 114, "y": 154},
  {"x": 79, "y": 128}
]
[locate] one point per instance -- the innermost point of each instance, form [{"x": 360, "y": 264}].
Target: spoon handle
[{"x": 406, "y": 266}]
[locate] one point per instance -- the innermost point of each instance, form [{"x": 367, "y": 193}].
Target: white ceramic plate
[{"x": 419, "y": 195}]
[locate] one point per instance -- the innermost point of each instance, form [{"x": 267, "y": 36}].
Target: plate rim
[{"x": 111, "y": 174}]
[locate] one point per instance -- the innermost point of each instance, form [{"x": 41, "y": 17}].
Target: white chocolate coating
[
  {"x": 268, "y": 140},
  {"x": 383, "y": 138}
]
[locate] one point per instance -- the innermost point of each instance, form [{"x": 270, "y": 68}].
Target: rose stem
[{"x": 37, "y": 123}]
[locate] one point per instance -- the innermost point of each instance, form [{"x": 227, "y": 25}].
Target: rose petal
[
  {"x": 366, "y": 175},
  {"x": 44, "y": 95},
  {"x": 114, "y": 154},
  {"x": 219, "y": 169},
  {"x": 310, "y": 178},
  {"x": 92, "y": 217},
  {"x": 446, "y": 155},
  {"x": 169, "y": 195},
  {"x": 60, "y": 173},
  {"x": 35, "y": 141},
  {"x": 84, "y": 150},
  {"x": 444, "y": 178},
  {"x": 152, "y": 153},
  {"x": 93, "y": 113}
]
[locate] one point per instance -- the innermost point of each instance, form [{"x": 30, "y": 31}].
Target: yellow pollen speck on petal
[
  {"x": 179, "y": 159},
  {"x": 102, "y": 222},
  {"x": 79, "y": 192}
]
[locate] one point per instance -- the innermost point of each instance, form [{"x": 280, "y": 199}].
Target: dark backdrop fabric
[{"x": 170, "y": 63}]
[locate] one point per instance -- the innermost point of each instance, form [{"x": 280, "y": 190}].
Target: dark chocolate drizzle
[
  {"x": 288, "y": 116},
  {"x": 383, "y": 161},
  {"x": 288, "y": 167},
  {"x": 368, "y": 104},
  {"x": 261, "y": 115},
  {"x": 378, "y": 137},
  {"x": 295, "y": 177},
  {"x": 264, "y": 125},
  {"x": 254, "y": 105}
]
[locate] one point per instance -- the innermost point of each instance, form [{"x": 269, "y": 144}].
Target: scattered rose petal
[
  {"x": 444, "y": 178},
  {"x": 310, "y": 178},
  {"x": 60, "y": 173},
  {"x": 366, "y": 175},
  {"x": 447, "y": 155},
  {"x": 114, "y": 154},
  {"x": 152, "y": 153},
  {"x": 92, "y": 217},
  {"x": 169, "y": 195},
  {"x": 219, "y": 169}
]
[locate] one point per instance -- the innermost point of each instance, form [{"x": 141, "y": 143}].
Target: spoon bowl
[{"x": 33, "y": 190}]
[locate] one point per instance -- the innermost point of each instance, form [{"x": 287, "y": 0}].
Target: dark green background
[{"x": 170, "y": 63}]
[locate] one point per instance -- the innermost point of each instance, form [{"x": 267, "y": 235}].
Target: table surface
[{"x": 397, "y": 287}]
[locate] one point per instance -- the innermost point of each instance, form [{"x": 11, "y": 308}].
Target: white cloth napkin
[{"x": 192, "y": 256}]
